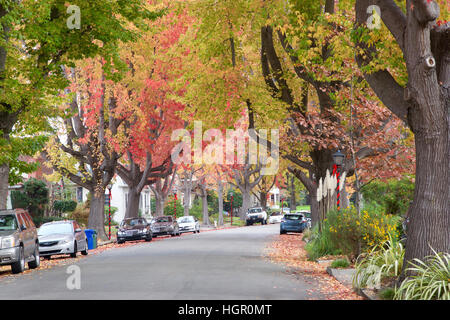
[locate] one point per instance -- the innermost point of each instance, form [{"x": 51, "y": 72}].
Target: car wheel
[
  {"x": 74, "y": 253},
  {"x": 85, "y": 251},
  {"x": 120, "y": 241},
  {"x": 282, "y": 232},
  {"x": 37, "y": 259},
  {"x": 19, "y": 266},
  {"x": 149, "y": 238}
]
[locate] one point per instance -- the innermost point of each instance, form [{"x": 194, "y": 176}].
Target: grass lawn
[{"x": 308, "y": 208}]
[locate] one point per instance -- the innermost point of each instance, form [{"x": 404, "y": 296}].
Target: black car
[
  {"x": 165, "y": 225},
  {"x": 134, "y": 229}
]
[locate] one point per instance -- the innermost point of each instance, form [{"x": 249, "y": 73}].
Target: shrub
[
  {"x": 40, "y": 220},
  {"x": 113, "y": 211},
  {"x": 169, "y": 207},
  {"x": 354, "y": 234},
  {"x": 80, "y": 214},
  {"x": 430, "y": 279},
  {"x": 64, "y": 205},
  {"x": 340, "y": 263},
  {"x": 33, "y": 197},
  {"x": 387, "y": 294},
  {"x": 394, "y": 195},
  {"x": 321, "y": 244},
  {"x": 382, "y": 262}
]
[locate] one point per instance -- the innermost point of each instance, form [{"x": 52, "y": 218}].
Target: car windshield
[
  {"x": 132, "y": 222},
  {"x": 276, "y": 214},
  {"x": 186, "y": 219},
  {"x": 293, "y": 216},
  {"x": 162, "y": 219},
  {"x": 54, "y": 228},
  {"x": 256, "y": 210},
  {"x": 8, "y": 222}
]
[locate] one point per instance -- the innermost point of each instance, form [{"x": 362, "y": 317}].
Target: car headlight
[{"x": 8, "y": 242}]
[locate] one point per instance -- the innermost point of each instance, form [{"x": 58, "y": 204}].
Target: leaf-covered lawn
[{"x": 288, "y": 249}]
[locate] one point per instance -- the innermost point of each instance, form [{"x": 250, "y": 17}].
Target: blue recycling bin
[{"x": 91, "y": 236}]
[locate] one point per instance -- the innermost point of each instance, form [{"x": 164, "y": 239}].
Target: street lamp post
[
  {"x": 338, "y": 158},
  {"x": 175, "y": 206},
  {"x": 231, "y": 211},
  {"x": 109, "y": 211}
]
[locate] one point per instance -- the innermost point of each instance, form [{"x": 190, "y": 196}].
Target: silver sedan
[{"x": 62, "y": 237}]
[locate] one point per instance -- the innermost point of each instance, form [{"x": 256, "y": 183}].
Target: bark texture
[{"x": 424, "y": 105}]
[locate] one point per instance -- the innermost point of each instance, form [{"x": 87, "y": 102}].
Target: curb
[{"x": 365, "y": 293}]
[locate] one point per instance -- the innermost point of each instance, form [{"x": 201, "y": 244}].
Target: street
[{"x": 221, "y": 264}]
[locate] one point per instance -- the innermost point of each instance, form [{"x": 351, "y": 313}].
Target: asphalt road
[{"x": 223, "y": 264}]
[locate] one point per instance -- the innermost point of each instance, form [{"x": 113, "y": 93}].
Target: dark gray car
[
  {"x": 19, "y": 242},
  {"x": 165, "y": 225}
]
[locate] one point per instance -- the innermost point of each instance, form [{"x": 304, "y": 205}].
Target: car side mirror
[
  {"x": 23, "y": 228},
  {"x": 117, "y": 227},
  {"x": 77, "y": 230}
]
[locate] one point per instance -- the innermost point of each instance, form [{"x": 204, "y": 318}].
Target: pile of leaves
[{"x": 289, "y": 250}]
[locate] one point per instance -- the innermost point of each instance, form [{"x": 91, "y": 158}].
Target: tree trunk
[
  {"x": 4, "y": 176},
  {"x": 187, "y": 199},
  {"x": 245, "y": 204},
  {"x": 220, "y": 199},
  {"x": 159, "y": 201},
  {"x": 293, "y": 203},
  {"x": 134, "y": 198},
  {"x": 263, "y": 199},
  {"x": 205, "y": 209},
  {"x": 97, "y": 214},
  {"x": 314, "y": 207},
  {"x": 429, "y": 215}
]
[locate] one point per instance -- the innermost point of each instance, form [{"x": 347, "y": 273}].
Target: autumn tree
[
  {"x": 37, "y": 38},
  {"x": 162, "y": 188},
  {"x": 90, "y": 121},
  {"x": 422, "y": 101}
]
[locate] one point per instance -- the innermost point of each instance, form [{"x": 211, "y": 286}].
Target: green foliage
[
  {"x": 321, "y": 243},
  {"x": 382, "y": 262},
  {"x": 113, "y": 211},
  {"x": 64, "y": 205},
  {"x": 430, "y": 279},
  {"x": 40, "y": 220},
  {"x": 33, "y": 197},
  {"x": 19, "y": 199},
  {"x": 387, "y": 294},
  {"x": 340, "y": 263},
  {"x": 354, "y": 234},
  {"x": 81, "y": 213},
  {"x": 237, "y": 200},
  {"x": 394, "y": 195},
  {"x": 169, "y": 208}
]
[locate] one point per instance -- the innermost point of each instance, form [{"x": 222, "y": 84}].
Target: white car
[
  {"x": 307, "y": 216},
  {"x": 188, "y": 224},
  {"x": 275, "y": 217},
  {"x": 255, "y": 215}
]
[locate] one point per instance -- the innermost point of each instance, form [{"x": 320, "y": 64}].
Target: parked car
[
  {"x": 307, "y": 216},
  {"x": 165, "y": 225},
  {"x": 275, "y": 217},
  {"x": 134, "y": 229},
  {"x": 293, "y": 222},
  {"x": 188, "y": 224},
  {"x": 255, "y": 215},
  {"x": 19, "y": 242},
  {"x": 62, "y": 237}
]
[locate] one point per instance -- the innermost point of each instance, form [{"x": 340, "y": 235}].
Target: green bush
[
  {"x": 169, "y": 208},
  {"x": 340, "y": 263},
  {"x": 64, "y": 205},
  {"x": 430, "y": 279},
  {"x": 33, "y": 197},
  {"x": 387, "y": 294},
  {"x": 40, "y": 220},
  {"x": 321, "y": 244},
  {"x": 354, "y": 234},
  {"x": 80, "y": 214},
  {"x": 382, "y": 262},
  {"x": 394, "y": 195},
  {"x": 113, "y": 211}
]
